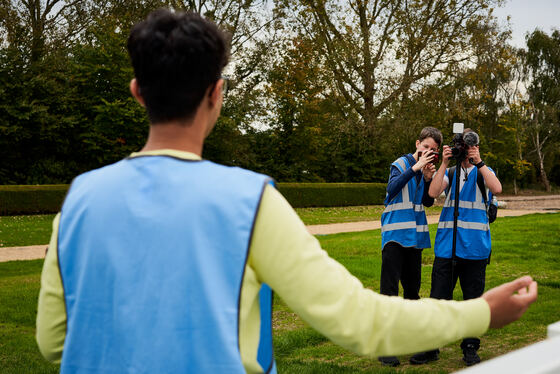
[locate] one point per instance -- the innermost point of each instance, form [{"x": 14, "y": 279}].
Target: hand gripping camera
[
  {"x": 434, "y": 160},
  {"x": 461, "y": 142}
]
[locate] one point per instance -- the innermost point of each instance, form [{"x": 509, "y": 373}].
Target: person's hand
[
  {"x": 446, "y": 155},
  {"x": 473, "y": 155},
  {"x": 426, "y": 158},
  {"x": 428, "y": 171},
  {"x": 509, "y": 301}
]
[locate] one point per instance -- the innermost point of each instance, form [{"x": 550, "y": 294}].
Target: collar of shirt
[
  {"x": 468, "y": 170},
  {"x": 167, "y": 152}
]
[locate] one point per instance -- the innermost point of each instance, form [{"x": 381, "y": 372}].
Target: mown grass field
[
  {"x": 317, "y": 216},
  {"x": 25, "y": 230},
  {"x": 522, "y": 245}
]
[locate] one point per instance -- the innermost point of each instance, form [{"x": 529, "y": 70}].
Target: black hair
[{"x": 176, "y": 57}]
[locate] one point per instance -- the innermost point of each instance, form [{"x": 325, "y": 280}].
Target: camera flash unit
[{"x": 458, "y": 128}]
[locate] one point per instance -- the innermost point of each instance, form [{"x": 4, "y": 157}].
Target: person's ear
[
  {"x": 216, "y": 92},
  {"x": 135, "y": 91},
  {"x": 417, "y": 143}
]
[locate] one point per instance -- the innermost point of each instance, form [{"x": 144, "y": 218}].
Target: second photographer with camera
[{"x": 461, "y": 252}]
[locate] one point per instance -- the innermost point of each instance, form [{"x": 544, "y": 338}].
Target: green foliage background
[{"x": 292, "y": 113}]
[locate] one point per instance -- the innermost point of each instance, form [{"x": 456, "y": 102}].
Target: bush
[
  {"x": 43, "y": 199},
  {"x": 304, "y": 195},
  {"x": 39, "y": 199}
]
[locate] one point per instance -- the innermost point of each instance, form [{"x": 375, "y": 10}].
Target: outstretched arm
[{"x": 285, "y": 256}]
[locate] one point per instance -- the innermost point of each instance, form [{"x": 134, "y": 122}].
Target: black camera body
[
  {"x": 458, "y": 147},
  {"x": 461, "y": 143}
]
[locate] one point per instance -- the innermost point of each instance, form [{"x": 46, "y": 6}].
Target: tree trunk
[
  {"x": 514, "y": 186},
  {"x": 540, "y": 157},
  {"x": 544, "y": 178}
]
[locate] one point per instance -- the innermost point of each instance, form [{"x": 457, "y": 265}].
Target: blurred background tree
[{"x": 322, "y": 90}]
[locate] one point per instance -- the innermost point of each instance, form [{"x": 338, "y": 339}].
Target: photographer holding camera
[
  {"x": 471, "y": 241},
  {"x": 404, "y": 227}
]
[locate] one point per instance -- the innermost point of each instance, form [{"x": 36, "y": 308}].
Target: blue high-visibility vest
[
  {"x": 404, "y": 219},
  {"x": 152, "y": 252},
  {"x": 473, "y": 229}
]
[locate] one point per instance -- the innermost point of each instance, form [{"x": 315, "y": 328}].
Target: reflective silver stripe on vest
[
  {"x": 465, "y": 204},
  {"x": 405, "y": 194},
  {"x": 464, "y": 225},
  {"x": 402, "y": 206},
  {"x": 399, "y": 226},
  {"x": 422, "y": 228},
  {"x": 406, "y": 204},
  {"x": 402, "y": 164}
]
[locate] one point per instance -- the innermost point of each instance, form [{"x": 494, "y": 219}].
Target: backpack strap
[
  {"x": 450, "y": 175},
  {"x": 480, "y": 183}
]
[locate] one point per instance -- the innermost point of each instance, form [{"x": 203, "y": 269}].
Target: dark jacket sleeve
[
  {"x": 427, "y": 200},
  {"x": 397, "y": 180}
]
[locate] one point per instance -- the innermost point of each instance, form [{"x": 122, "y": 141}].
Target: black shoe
[
  {"x": 470, "y": 356},
  {"x": 424, "y": 357},
  {"x": 389, "y": 361}
]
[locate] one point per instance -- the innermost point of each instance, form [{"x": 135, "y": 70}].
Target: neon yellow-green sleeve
[
  {"x": 322, "y": 291},
  {"x": 51, "y": 312}
]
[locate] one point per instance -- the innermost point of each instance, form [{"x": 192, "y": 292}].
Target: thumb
[{"x": 519, "y": 283}]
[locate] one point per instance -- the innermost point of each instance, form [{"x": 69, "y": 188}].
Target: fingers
[
  {"x": 446, "y": 152},
  {"x": 519, "y": 283},
  {"x": 529, "y": 296}
]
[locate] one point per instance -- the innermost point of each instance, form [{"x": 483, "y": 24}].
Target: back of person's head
[
  {"x": 176, "y": 57},
  {"x": 431, "y": 132}
]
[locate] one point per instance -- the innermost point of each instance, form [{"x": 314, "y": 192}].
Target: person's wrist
[{"x": 479, "y": 164}]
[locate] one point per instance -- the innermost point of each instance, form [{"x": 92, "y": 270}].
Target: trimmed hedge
[
  {"x": 304, "y": 195},
  {"x": 41, "y": 199},
  {"x": 45, "y": 199}
]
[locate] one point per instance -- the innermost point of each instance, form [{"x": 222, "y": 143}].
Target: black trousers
[
  {"x": 402, "y": 264},
  {"x": 472, "y": 277}
]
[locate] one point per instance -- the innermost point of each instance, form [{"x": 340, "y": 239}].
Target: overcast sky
[{"x": 526, "y": 15}]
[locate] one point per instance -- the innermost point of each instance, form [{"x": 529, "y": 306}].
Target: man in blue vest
[
  {"x": 164, "y": 262},
  {"x": 404, "y": 228},
  {"x": 473, "y": 243}
]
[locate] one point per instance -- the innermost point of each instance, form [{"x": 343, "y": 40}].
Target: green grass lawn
[
  {"x": 522, "y": 245},
  {"x": 25, "y": 230},
  {"x": 316, "y": 216},
  {"x": 19, "y": 289}
]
